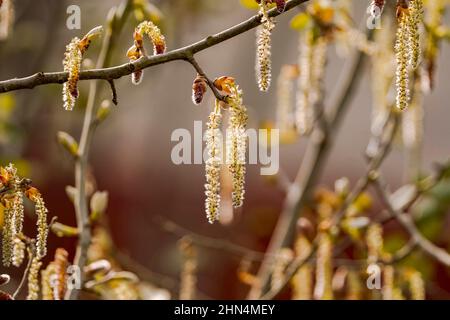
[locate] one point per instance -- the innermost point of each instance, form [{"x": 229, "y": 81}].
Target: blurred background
[{"x": 131, "y": 153}]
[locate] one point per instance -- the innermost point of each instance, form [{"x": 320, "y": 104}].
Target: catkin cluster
[
  {"x": 33, "y": 279},
  {"x": 137, "y": 50},
  {"x": 263, "y": 66},
  {"x": 236, "y": 145},
  {"x": 12, "y": 201},
  {"x": 72, "y": 64}
]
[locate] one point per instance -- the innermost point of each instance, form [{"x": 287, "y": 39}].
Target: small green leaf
[
  {"x": 250, "y": 4},
  {"x": 300, "y": 21}
]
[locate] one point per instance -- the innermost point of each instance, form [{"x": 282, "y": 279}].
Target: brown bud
[{"x": 199, "y": 88}]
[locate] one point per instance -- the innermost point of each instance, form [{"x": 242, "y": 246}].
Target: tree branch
[{"x": 112, "y": 73}]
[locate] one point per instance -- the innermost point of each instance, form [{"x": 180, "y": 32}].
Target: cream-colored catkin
[
  {"x": 18, "y": 252},
  {"x": 8, "y": 235},
  {"x": 416, "y": 285},
  {"x": 237, "y": 145},
  {"x": 72, "y": 65},
  {"x": 212, "y": 166},
  {"x": 323, "y": 289},
  {"x": 284, "y": 257},
  {"x": 189, "y": 270},
  {"x": 318, "y": 69},
  {"x": 7, "y": 16},
  {"x": 415, "y": 18},
  {"x": 42, "y": 226},
  {"x": 374, "y": 240},
  {"x": 304, "y": 114},
  {"x": 33, "y": 279},
  {"x": 402, "y": 52},
  {"x": 302, "y": 281},
  {"x": 285, "y": 98},
  {"x": 19, "y": 211},
  {"x": 263, "y": 52}
]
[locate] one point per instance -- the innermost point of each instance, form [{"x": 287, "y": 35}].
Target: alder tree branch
[{"x": 185, "y": 53}]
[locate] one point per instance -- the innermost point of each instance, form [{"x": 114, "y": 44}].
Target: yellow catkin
[
  {"x": 212, "y": 165},
  {"x": 285, "y": 99},
  {"x": 72, "y": 65},
  {"x": 416, "y": 286},
  {"x": 54, "y": 277},
  {"x": 414, "y": 20},
  {"x": 152, "y": 31},
  {"x": 304, "y": 113},
  {"x": 390, "y": 291},
  {"x": 374, "y": 240},
  {"x": 41, "y": 223},
  {"x": 33, "y": 279},
  {"x": 237, "y": 145},
  {"x": 8, "y": 236},
  {"x": 324, "y": 268},
  {"x": 189, "y": 270},
  {"x": 402, "y": 52},
  {"x": 263, "y": 52},
  {"x": 302, "y": 281},
  {"x": 284, "y": 257}
]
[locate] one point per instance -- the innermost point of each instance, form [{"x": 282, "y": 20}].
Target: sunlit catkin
[
  {"x": 212, "y": 167},
  {"x": 263, "y": 52},
  {"x": 33, "y": 279},
  {"x": 237, "y": 144},
  {"x": 54, "y": 277},
  {"x": 402, "y": 52},
  {"x": 6, "y": 18},
  {"x": 416, "y": 285},
  {"x": 285, "y": 99},
  {"x": 324, "y": 268},
  {"x": 8, "y": 234},
  {"x": 152, "y": 31},
  {"x": 302, "y": 281},
  {"x": 284, "y": 257},
  {"x": 72, "y": 64},
  {"x": 414, "y": 20},
  {"x": 41, "y": 212},
  {"x": 374, "y": 240},
  {"x": 304, "y": 112},
  {"x": 18, "y": 252}
]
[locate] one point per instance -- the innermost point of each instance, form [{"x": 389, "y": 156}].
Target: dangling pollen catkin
[
  {"x": 263, "y": 52},
  {"x": 402, "y": 55},
  {"x": 237, "y": 144},
  {"x": 212, "y": 167},
  {"x": 414, "y": 20}
]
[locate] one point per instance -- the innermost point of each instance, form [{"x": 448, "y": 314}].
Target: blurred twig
[{"x": 81, "y": 203}]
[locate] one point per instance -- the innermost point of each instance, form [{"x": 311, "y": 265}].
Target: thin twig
[
  {"x": 81, "y": 203},
  {"x": 408, "y": 224},
  {"x": 25, "y": 274},
  {"x": 116, "y": 72}
]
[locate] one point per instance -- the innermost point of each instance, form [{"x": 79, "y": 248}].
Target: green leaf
[
  {"x": 300, "y": 21},
  {"x": 250, "y": 4}
]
